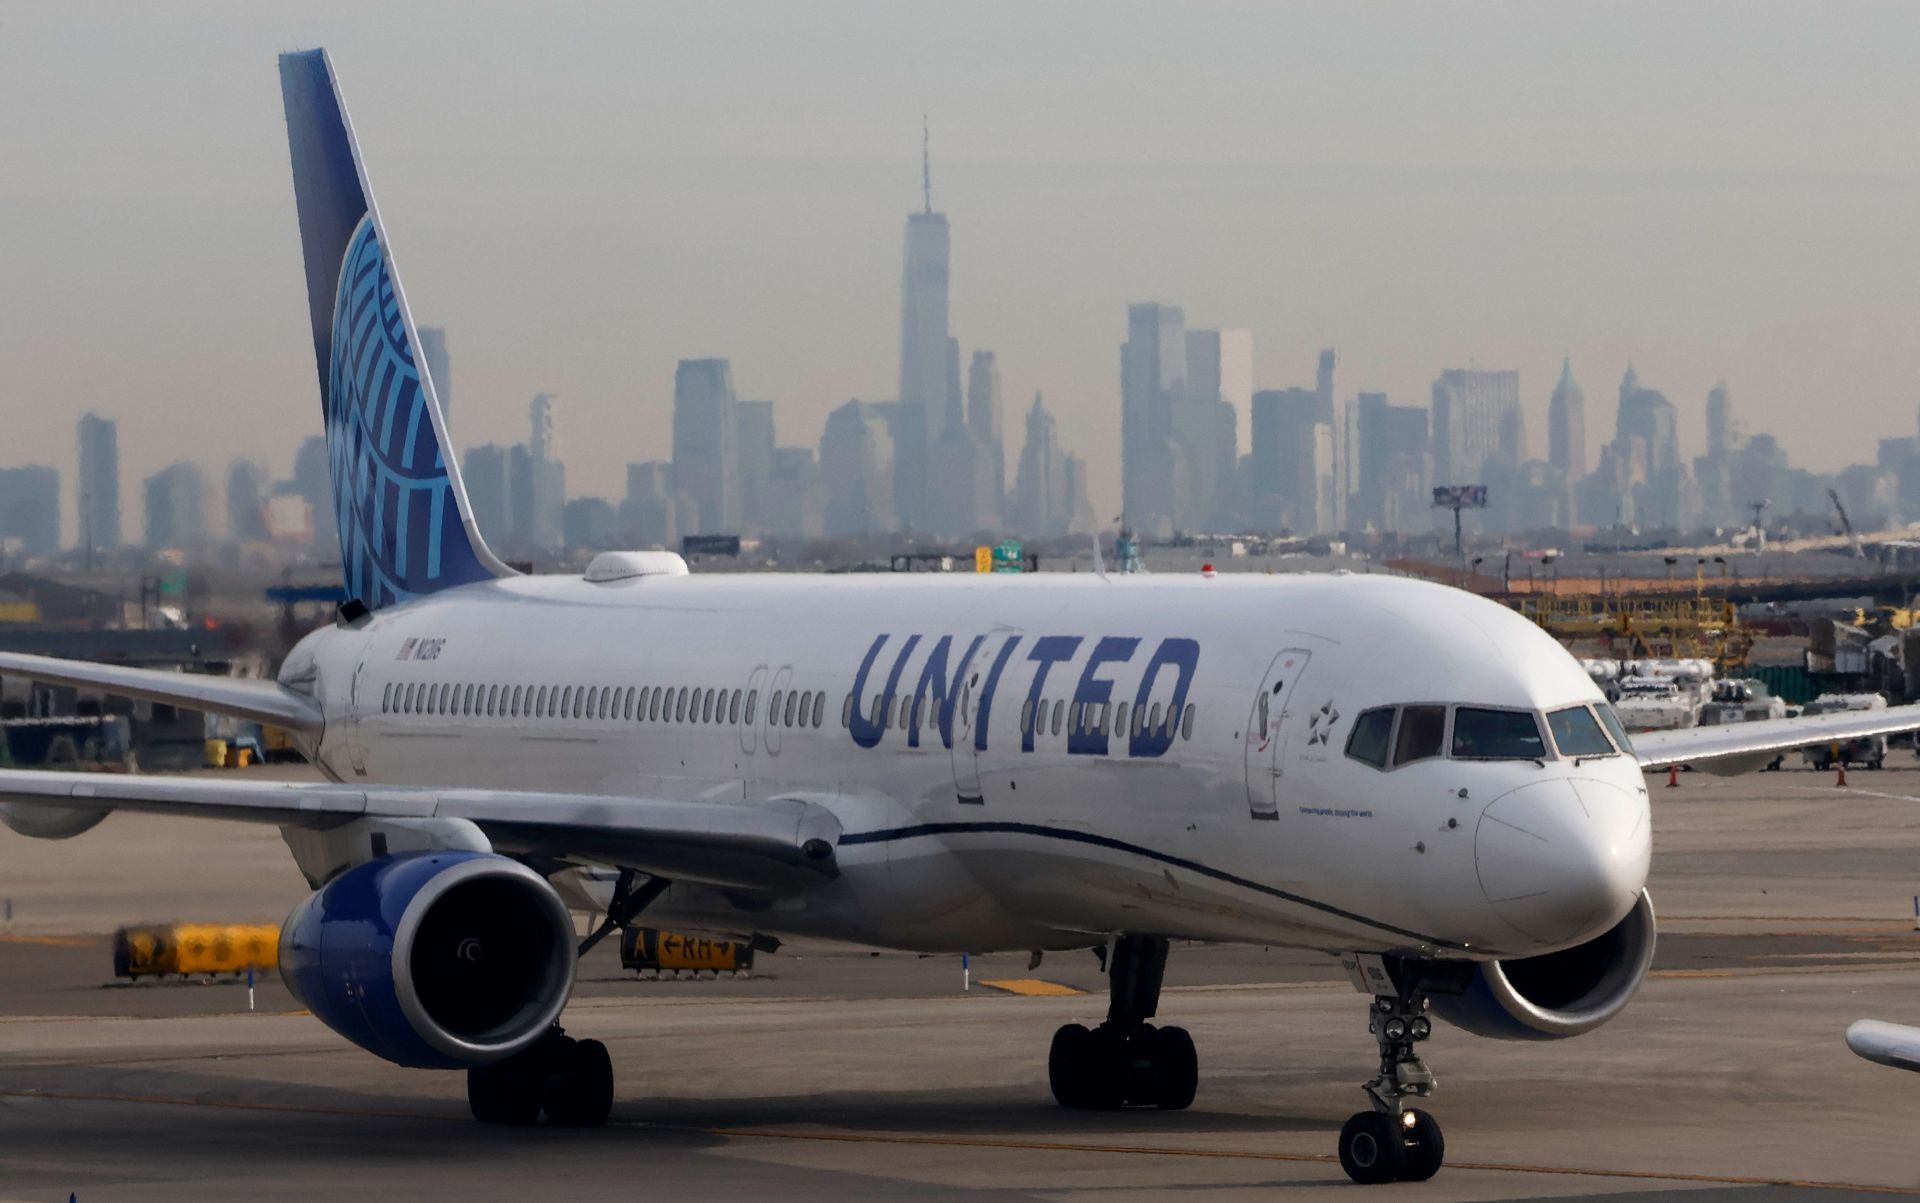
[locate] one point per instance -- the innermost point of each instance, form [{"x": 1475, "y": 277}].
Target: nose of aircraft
[{"x": 1562, "y": 861}]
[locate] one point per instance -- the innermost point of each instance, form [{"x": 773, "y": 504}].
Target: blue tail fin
[{"x": 405, "y": 526}]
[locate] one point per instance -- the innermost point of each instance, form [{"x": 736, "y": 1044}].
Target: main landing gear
[
  {"x": 1126, "y": 1061},
  {"x": 571, "y": 1080},
  {"x": 1393, "y": 1142}
]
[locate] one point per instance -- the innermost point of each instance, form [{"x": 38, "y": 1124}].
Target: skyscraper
[
  {"x": 433, "y": 348},
  {"x": 546, "y": 483},
  {"x": 706, "y": 462},
  {"x": 1475, "y": 421},
  {"x": 484, "y": 472},
  {"x": 1153, "y": 376},
  {"x": 1719, "y": 422},
  {"x": 857, "y": 467},
  {"x": 1206, "y": 424},
  {"x": 1040, "y": 500},
  {"x": 924, "y": 348},
  {"x": 1290, "y": 462},
  {"x": 247, "y": 484},
  {"x": 99, "y": 483},
  {"x": 1332, "y": 409},
  {"x": 313, "y": 481},
  {"x": 754, "y": 444},
  {"x": 30, "y": 508},
  {"x": 987, "y": 423},
  {"x": 1567, "y": 425},
  {"x": 176, "y": 504}
]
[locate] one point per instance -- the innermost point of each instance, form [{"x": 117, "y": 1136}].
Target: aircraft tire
[
  {"x": 506, "y": 1092},
  {"x": 1176, "y": 1069},
  {"x": 1426, "y": 1149},
  {"x": 581, "y": 1094},
  {"x": 1371, "y": 1151},
  {"x": 1067, "y": 1060}
]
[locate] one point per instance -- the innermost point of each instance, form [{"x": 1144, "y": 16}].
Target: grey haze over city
[{"x": 582, "y": 198}]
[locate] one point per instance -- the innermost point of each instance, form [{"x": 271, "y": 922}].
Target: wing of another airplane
[
  {"x": 1736, "y": 741},
  {"x": 780, "y": 845},
  {"x": 261, "y": 701},
  {"x": 1885, "y": 1043}
]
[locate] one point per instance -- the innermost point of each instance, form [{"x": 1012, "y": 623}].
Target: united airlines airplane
[{"x": 1400, "y": 774}]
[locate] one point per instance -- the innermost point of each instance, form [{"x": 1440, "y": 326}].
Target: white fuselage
[{"x": 1002, "y": 830}]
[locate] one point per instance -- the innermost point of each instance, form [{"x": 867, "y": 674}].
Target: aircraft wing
[
  {"x": 779, "y": 845},
  {"x": 1760, "y": 739},
  {"x": 261, "y": 701}
]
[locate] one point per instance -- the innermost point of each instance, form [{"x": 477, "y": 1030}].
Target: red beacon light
[{"x": 1207, "y": 571}]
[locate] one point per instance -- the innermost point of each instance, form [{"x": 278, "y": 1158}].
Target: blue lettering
[
  {"x": 866, "y": 732},
  {"x": 1146, "y": 739},
  {"x": 941, "y": 690},
  {"x": 1091, "y": 693},
  {"x": 987, "y": 691},
  {"x": 1047, "y": 651}
]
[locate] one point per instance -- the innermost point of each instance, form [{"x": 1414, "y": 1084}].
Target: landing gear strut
[
  {"x": 1126, "y": 1061},
  {"x": 1394, "y": 1142},
  {"x": 571, "y": 1080}
]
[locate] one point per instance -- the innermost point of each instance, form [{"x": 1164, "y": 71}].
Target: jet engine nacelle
[
  {"x": 1561, "y": 994},
  {"x": 437, "y": 960},
  {"x": 48, "y": 822}
]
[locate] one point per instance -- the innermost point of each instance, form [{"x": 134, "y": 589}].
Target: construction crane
[{"x": 1846, "y": 523}]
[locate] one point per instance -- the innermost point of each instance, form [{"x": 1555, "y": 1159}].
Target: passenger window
[
  {"x": 1186, "y": 723},
  {"x": 680, "y": 704},
  {"x": 1153, "y": 719},
  {"x": 819, "y": 708},
  {"x": 753, "y": 696},
  {"x": 1059, "y": 715},
  {"x": 1576, "y": 733},
  {"x": 879, "y": 712},
  {"x": 1422, "y": 733},
  {"x": 1480, "y": 734},
  {"x": 540, "y": 703},
  {"x": 703, "y": 705},
  {"x": 466, "y": 702},
  {"x": 1105, "y": 712},
  {"x": 1371, "y": 737},
  {"x": 1026, "y": 716},
  {"x": 626, "y": 705},
  {"x": 792, "y": 698},
  {"x": 1261, "y": 724},
  {"x": 1120, "y": 718},
  {"x": 773, "y": 707},
  {"x": 406, "y": 700},
  {"x": 386, "y": 697},
  {"x": 493, "y": 700},
  {"x": 653, "y": 703},
  {"x": 733, "y": 709},
  {"x": 846, "y": 713}
]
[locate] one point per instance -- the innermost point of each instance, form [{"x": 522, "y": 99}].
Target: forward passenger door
[{"x": 1267, "y": 730}]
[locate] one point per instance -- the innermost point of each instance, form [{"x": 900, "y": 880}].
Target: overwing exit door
[{"x": 1267, "y": 732}]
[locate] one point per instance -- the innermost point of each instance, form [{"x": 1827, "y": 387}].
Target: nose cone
[{"x": 1562, "y": 861}]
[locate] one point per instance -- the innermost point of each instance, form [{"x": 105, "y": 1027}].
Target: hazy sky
[{"x": 583, "y": 194}]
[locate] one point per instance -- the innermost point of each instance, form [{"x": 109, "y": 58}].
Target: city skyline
[{"x": 1703, "y": 231}]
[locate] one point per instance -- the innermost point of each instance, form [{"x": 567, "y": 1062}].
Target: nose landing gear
[
  {"x": 1126, "y": 1061},
  {"x": 1393, "y": 1142}
]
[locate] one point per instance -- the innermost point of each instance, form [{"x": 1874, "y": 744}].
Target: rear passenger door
[{"x": 1267, "y": 732}]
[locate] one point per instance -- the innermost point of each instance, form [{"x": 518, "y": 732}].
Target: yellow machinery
[
  {"x": 644, "y": 948},
  {"x": 1628, "y": 628},
  {"x": 158, "y": 950}
]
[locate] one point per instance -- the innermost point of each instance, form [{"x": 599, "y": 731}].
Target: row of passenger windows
[
  {"x": 605, "y": 703},
  {"x": 1083, "y": 718},
  {"x": 1397, "y": 735}
]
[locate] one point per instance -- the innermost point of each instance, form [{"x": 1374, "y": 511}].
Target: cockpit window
[
  {"x": 1615, "y": 727},
  {"x": 1576, "y": 733},
  {"x": 1372, "y": 732},
  {"x": 1496, "y": 735},
  {"x": 1422, "y": 733}
]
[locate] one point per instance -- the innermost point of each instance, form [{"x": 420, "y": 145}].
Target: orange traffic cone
[
  {"x": 1673, "y": 775},
  {"x": 1841, "y": 780}
]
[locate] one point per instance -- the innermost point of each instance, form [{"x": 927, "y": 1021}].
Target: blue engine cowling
[
  {"x": 1562, "y": 994},
  {"x": 437, "y": 960}
]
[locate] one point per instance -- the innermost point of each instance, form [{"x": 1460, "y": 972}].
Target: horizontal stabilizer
[{"x": 261, "y": 701}]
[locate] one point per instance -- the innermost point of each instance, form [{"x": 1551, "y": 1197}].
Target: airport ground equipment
[
  {"x": 650, "y": 950},
  {"x": 192, "y": 949}
]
